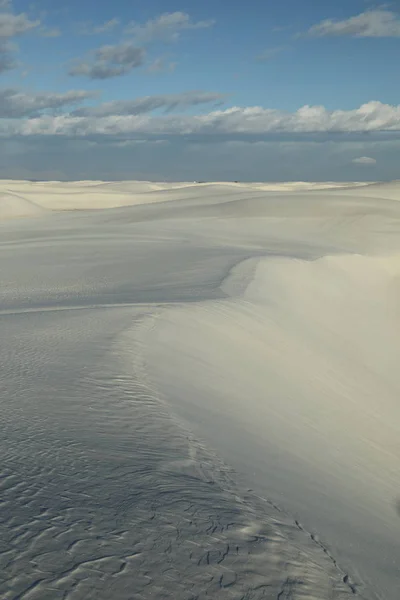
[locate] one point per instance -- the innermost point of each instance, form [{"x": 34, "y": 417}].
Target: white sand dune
[
  {"x": 379, "y": 191},
  {"x": 58, "y": 196},
  {"x": 13, "y": 205},
  {"x": 199, "y": 390},
  {"x": 300, "y": 381},
  {"x": 90, "y": 195}
]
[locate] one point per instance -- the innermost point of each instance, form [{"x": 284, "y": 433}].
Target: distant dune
[{"x": 91, "y": 195}]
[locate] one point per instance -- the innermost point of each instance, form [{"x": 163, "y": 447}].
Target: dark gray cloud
[
  {"x": 7, "y": 61},
  {"x": 64, "y": 158},
  {"x": 167, "y": 102},
  {"x": 111, "y": 61},
  {"x": 16, "y": 104}
]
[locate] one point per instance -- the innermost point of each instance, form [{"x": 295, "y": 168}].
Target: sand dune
[
  {"x": 199, "y": 390},
  {"x": 58, "y": 196},
  {"x": 90, "y": 195},
  {"x": 380, "y": 190},
  {"x": 13, "y": 205}
]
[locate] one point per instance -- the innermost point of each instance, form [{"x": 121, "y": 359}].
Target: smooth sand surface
[{"x": 200, "y": 390}]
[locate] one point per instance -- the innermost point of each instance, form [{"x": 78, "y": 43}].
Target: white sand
[
  {"x": 89, "y": 195},
  {"x": 13, "y": 205},
  {"x": 264, "y": 319}
]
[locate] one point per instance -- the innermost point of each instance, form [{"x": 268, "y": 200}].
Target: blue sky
[{"x": 188, "y": 90}]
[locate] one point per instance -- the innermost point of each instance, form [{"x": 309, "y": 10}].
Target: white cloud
[
  {"x": 160, "y": 65},
  {"x": 373, "y": 117},
  {"x": 12, "y": 25},
  {"x": 50, "y": 32},
  {"x": 15, "y": 104},
  {"x": 364, "y": 160},
  {"x": 114, "y": 60},
  {"x": 92, "y": 29},
  {"x": 111, "y": 61},
  {"x": 166, "y": 27},
  {"x": 371, "y": 23},
  {"x": 270, "y": 53},
  {"x": 136, "y": 142},
  {"x": 120, "y": 54},
  {"x": 139, "y": 106}
]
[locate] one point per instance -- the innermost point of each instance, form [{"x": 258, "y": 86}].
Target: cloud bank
[
  {"x": 166, "y": 102},
  {"x": 16, "y": 104},
  {"x": 128, "y": 118}
]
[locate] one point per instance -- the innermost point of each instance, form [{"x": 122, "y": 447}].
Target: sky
[{"x": 166, "y": 90}]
